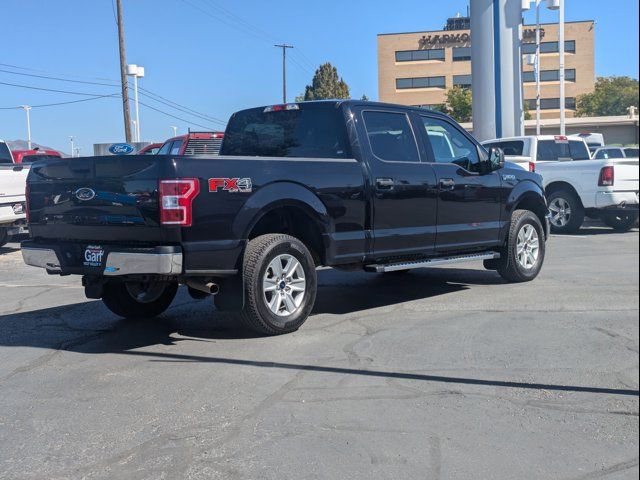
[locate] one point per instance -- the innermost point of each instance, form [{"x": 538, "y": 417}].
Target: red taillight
[
  {"x": 176, "y": 199},
  {"x": 607, "y": 177},
  {"x": 532, "y": 166},
  {"x": 26, "y": 203}
]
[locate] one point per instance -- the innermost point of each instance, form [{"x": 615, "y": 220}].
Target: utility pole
[
  {"x": 563, "y": 130},
  {"x": 27, "y": 108},
  {"x": 123, "y": 74},
  {"x": 284, "y": 47}
]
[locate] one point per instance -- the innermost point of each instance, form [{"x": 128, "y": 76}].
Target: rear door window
[
  {"x": 5, "y": 154},
  {"x": 631, "y": 152},
  {"x": 175, "y": 147},
  {"x": 391, "y": 136}
]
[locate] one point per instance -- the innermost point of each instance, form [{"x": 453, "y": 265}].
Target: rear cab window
[
  {"x": 38, "y": 158},
  {"x": 296, "y": 130},
  {"x": 562, "y": 150},
  {"x": 513, "y": 148}
]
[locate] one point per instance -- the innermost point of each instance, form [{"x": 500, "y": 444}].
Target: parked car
[
  {"x": 151, "y": 149},
  {"x": 615, "y": 152},
  {"x": 593, "y": 140},
  {"x": 12, "y": 199},
  {"x": 193, "y": 143},
  {"x": 347, "y": 184},
  {"x": 34, "y": 155},
  {"x": 603, "y": 189}
]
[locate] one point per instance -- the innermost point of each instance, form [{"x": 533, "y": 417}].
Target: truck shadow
[{"x": 90, "y": 327}]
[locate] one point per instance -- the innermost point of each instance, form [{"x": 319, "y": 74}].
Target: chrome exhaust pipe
[{"x": 209, "y": 287}]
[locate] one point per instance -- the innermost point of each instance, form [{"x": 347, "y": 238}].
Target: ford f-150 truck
[{"x": 346, "y": 184}]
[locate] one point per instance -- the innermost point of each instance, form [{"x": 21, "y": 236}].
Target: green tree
[
  {"x": 612, "y": 96},
  {"x": 526, "y": 110},
  {"x": 459, "y": 104},
  {"x": 326, "y": 84}
]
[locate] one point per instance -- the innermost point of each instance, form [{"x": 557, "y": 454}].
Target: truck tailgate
[
  {"x": 626, "y": 174},
  {"x": 97, "y": 198},
  {"x": 13, "y": 179}
]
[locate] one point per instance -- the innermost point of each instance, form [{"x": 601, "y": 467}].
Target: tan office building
[{"x": 418, "y": 68}]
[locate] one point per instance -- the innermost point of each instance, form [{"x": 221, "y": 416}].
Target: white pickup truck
[
  {"x": 576, "y": 185},
  {"x": 13, "y": 180}
]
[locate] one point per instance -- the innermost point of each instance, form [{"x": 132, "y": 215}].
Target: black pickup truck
[{"x": 346, "y": 184}]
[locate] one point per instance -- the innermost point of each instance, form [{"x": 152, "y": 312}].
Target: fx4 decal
[{"x": 232, "y": 185}]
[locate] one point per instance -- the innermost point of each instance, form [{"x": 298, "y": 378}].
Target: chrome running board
[{"x": 394, "y": 267}]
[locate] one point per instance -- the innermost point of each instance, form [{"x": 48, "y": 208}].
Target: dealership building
[{"x": 418, "y": 68}]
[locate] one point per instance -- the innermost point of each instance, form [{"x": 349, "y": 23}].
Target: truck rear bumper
[
  {"x": 114, "y": 261},
  {"x": 616, "y": 200}
]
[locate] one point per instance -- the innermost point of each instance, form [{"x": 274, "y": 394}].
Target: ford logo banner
[{"x": 121, "y": 149}]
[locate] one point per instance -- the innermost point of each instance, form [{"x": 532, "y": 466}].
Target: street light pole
[
  {"x": 136, "y": 72},
  {"x": 284, "y": 47},
  {"x": 71, "y": 140},
  {"x": 175, "y": 130},
  {"x": 537, "y": 67},
  {"x": 27, "y": 108},
  {"x": 563, "y": 130}
]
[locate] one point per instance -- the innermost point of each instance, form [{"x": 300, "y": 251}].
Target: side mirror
[{"x": 496, "y": 159}]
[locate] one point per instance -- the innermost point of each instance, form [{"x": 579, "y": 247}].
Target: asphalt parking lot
[{"x": 442, "y": 373}]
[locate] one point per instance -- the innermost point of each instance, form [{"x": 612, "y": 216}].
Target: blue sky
[{"x": 219, "y": 57}]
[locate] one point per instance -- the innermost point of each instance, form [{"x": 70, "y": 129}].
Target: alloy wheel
[{"x": 284, "y": 285}]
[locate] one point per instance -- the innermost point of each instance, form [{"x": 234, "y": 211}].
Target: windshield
[{"x": 308, "y": 131}]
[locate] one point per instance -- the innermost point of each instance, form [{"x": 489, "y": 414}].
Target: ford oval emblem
[
  {"x": 85, "y": 194},
  {"x": 121, "y": 149}
]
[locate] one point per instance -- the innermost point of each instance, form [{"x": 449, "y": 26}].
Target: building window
[
  {"x": 552, "y": 103},
  {"x": 549, "y": 76},
  {"x": 420, "y": 82},
  {"x": 463, "y": 81},
  {"x": 461, "y": 54},
  {"x": 549, "y": 47},
  {"x": 420, "y": 55}
]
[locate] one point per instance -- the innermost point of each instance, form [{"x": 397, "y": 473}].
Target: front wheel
[
  {"x": 523, "y": 256},
  {"x": 138, "y": 299},
  {"x": 621, "y": 222},
  {"x": 280, "y": 284}
]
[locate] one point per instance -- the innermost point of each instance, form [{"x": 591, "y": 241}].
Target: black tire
[
  {"x": 508, "y": 265},
  {"x": 4, "y": 237},
  {"x": 621, "y": 222},
  {"x": 576, "y": 217},
  {"x": 259, "y": 254},
  {"x": 118, "y": 297}
]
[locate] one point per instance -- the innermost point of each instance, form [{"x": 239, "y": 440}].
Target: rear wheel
[
  {"x": 280, "y": 284},
  {"x": 621, "y": 222},
  {"x": 138, "y": 299},
  {"x": 522, "y": 259},
  {"x": 567, "y": 213},
  {"x": 4, "y": 237}
]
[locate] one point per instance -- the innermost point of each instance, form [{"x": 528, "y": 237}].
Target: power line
[
  {"x": 149, "y": 94},
  {"x": 58, "y": 78},
  {"x": 177, "y": 118},
  {"x": 52, "y": 90},
  {"x": 63, "y": 103}
]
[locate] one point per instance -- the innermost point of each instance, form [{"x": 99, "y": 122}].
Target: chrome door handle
[
  {"x": 447, "y": 184},
  {"x": 385, "y": 183}
]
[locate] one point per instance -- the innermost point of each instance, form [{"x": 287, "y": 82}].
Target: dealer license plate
[{"x": 93, "y": 256}]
